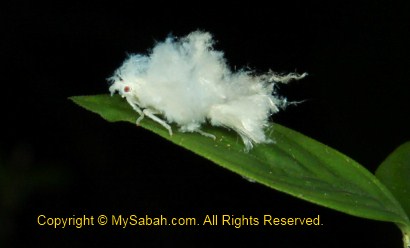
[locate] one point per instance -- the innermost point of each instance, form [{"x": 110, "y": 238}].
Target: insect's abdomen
[{"x": 247, "y": 115}]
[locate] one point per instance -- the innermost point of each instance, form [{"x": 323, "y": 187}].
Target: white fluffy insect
[{"x": 186, "y": 82}]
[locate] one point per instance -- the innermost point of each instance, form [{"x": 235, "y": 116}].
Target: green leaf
[
  {"x": 294, "y": 163},
  {"x": 394, "y": 172}
]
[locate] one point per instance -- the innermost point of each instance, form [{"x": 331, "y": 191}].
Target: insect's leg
[
  {"x": 140, "y": 119},
  {"x": 209, "y": 135},
  {"x": 137, "y": 109},
  {"x": 151, "y": 114}
]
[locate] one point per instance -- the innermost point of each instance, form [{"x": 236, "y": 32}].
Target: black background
[{"x": 58, "y": 159}]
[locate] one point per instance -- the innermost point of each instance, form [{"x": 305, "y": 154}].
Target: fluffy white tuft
[{"x": 188, "y": 83}]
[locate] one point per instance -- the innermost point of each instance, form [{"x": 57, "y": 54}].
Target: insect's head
[{"x": 122, "y": 87}]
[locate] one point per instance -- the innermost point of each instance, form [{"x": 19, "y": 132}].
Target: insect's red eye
[{"x": 126, "y": 89}]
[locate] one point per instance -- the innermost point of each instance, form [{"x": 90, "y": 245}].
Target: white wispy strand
[{"x": 185, "y": 81}]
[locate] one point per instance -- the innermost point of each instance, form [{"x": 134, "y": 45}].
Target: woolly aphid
[{"x": 186, "y": 82}]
